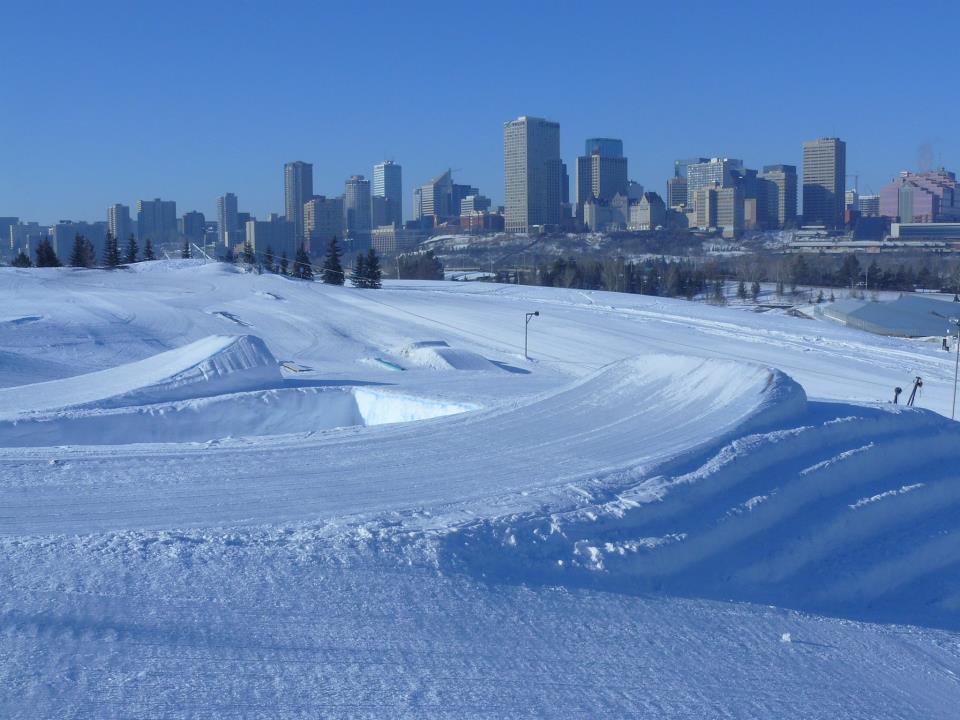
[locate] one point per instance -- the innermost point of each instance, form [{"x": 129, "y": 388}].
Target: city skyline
[{"x": 186, "y": 134}]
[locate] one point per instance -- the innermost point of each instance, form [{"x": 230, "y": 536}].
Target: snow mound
[
  {"x": 837, "y": 509},
  {"x": 438, "y": 355},
  {"x": 215, "y": 365}
]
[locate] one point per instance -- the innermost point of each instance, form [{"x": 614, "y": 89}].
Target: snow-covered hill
[{"x": 224, "y": 494}]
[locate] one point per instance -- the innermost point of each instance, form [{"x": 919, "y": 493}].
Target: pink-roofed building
[{"x": 926, "y": 197}]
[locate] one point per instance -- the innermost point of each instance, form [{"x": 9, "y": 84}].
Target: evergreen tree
[
  {"x": 373, "y": 272},
  {"x": 820, "y": 297},
  {"x": 22, "y": 260},
  {"x": 718, "y": 296},
  {"x": 742, "y": 290},
  {"x": 284, "y": 263},
  {"x": 268, "y": 259},
  {"x": 46, "y": 257},
  {"x": 301, "y": 265},
  {"x": 248, "y": 254},
  {"x": 132, "y": 251},
  {"x": 359, "y": 275},
  {"x": 148, "y": 251},
  {"x": 82, "y": 253},
  {"x": 755, "y": 290},
  {"x": 332, "y": 273},
  {"x": 185, "y": 252},
  {"x": 111, "y": 252}
]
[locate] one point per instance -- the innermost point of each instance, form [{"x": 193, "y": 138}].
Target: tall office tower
[
  {"x": 227, "y": 220},
  {"x": 356, "y": 210},
  {"x": 824, "y": 181},
  {"x": 676, "y": 191},
  {"x": 118, "y": 222},
  {"x": 724, "y": 172},
  {"x": 680, "y": 166},
  {"x": 432, "y": 201},
  {"x": 602, "y": 172},
  {"x": 322, "y": 220},
  {"x": 157, "y": 220},
  {"x": 193, "y": 226},
  {"x": 297, "y": 189},
  {"x": 607, "y": 147},
  {"x": 564, "y": 184},
  {"x": 531, "y": 164},
  {"x": 777, "y": 195},
  {"x": 388, "y": 184}
]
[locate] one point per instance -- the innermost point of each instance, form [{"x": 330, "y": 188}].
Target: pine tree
[
  {"x": 22, "y": 260},
  {"x": 185, "y": 252},
  {"x": 248, "y": 255},
  {"x": 148, "y": 251},
  {"x": 268, "y": 259},
  {"x": 359, "y": 275},
  {"x": 332, "y": 273},
  {"x": 132, "y": 251},
  {"x": 284, "y": 263},
  {"x": 742, "y": 290},
  {"x": 81, "y": 255},
  {"x": 755, "y": 290},
  {"x": 46, "y": 257},
  {"x": 374, "y": 273},
  {"x": 718, "y": 295},
  {"x": 301, "y": 266},
  {"x": 111, "y": 252}
]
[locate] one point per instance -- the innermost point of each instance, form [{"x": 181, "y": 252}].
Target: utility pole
[
  {"x": 956, "y": 370},
  {"x": 526, "y": 330}
]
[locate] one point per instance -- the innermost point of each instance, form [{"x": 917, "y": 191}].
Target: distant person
[{"x": 946, "y": 345}]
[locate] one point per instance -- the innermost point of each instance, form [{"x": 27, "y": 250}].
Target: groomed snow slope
[
  {"x": 632, "y": 415},
  {"x": 570, "y": 549}
]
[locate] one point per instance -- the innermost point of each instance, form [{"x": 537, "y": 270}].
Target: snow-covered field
[{"x": 231, "y": 495}]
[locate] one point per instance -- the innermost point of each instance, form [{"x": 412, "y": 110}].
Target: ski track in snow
[{"x": 628, "y": 524}]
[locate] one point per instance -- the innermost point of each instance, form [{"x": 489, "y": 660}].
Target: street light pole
[{"x": 526, "y": 330}]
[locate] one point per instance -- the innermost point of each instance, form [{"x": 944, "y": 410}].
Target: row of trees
[
  {"x": 83, "y": 254},
  {"x": 366, "y": 272},
  {"x": 654, "y": 277}
]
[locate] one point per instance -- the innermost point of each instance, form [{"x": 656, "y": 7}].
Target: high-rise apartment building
[
  {"x": 275, "y": 234},
  {"x": 388, "y": 184},
  {"x": 157, "y": 221},
  {"x": 777, "y": 195},
  {"x": 228, "y": 222},
  {"x": 322, "y": 220},
  {"x": 356, "y": 211},
  {"x": 297, "y": 189},
  {"x": 824, "y": 181},
  {"x": 193, "y": 226},
  {"x": 119, "y": 223},
  {"x": 532, "y": 168}
]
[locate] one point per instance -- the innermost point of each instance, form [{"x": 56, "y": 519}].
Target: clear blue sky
[{"x": 107, "y": 102}]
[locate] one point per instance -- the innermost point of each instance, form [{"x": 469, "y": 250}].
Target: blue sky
[{"x": 107, "y": 102}]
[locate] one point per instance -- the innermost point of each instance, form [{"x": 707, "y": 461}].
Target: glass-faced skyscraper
[
  {"x": 531, "y": 173},
  {"x": 824, "y": 181},
  {"x": 297, "y": 189}
]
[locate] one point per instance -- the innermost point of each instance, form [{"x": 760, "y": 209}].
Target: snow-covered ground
[{"x": 224, "y": 494}]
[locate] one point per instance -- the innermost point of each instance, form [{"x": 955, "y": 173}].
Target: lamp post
[
  {"x": 956, "y": 369},
  {"x": 526, "y": 330}
]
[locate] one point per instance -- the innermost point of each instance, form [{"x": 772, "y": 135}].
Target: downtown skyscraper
[
  {"x": 824, "y": 181},
  {"x": 388, "y": 186},
  {"x": 297, "y": 189},
  {"x": 228, "y": 222},
  {"x": 532, "y": 173}
]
